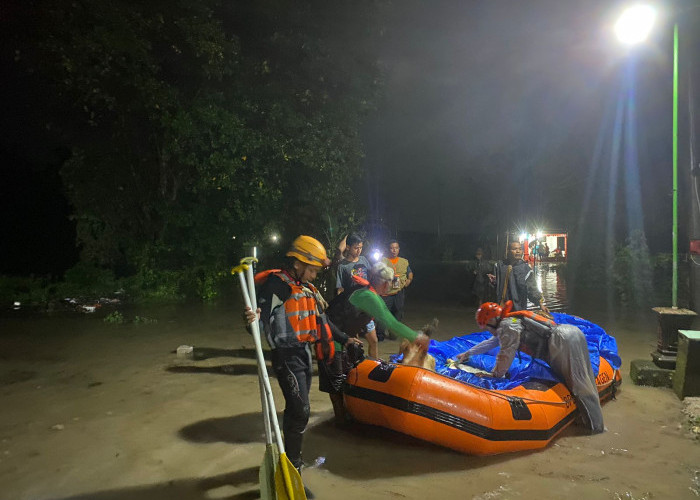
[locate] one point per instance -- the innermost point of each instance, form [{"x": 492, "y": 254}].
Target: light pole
[{"x": 634, "y": 26}]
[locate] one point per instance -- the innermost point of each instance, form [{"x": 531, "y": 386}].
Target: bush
[
  {"x": 26, "y": 290},
  {"x": 204, "y": 284},
  {"x": 86, "y": 280},
  {"x": 151, "y": 285},
  {"x": 154, "y": 285},
  {"x": 114, "y": 317},
  {"x": 632, "y": 273}
]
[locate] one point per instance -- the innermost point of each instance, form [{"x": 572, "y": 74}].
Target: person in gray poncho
[{"x": 563, "y": 347}]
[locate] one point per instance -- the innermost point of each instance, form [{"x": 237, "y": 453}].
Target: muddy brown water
[{"x": 92, "y": 410}]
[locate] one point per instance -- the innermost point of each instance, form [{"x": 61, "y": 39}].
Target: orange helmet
[
  {"x": 488, "y": 311},
  {"x": 310, "y": 251}
]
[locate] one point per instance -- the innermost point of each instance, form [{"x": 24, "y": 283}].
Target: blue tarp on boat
[{"x": 524, "y": 367}]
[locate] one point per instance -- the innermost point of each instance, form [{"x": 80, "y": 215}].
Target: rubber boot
[{"x": 309, "y": 494}]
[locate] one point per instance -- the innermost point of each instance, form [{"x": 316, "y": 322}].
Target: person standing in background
[
  {"x": 355, "y": 265},
  {"x": 479, "y": 269},
  {"x": 395, "y": 298},
  {"x": 514, "y": 280},
  {"x": 352, "y": 264}
]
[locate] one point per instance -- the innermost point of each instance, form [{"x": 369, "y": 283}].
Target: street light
[{"x": 633, "y": 26}]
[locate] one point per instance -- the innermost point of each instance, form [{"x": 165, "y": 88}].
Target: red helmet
[{"x": 486, "y": 312}]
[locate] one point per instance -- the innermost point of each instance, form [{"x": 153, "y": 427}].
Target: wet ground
[{"x": 93, "y": 410}]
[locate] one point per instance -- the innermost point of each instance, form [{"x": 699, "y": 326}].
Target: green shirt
[{"x": 371, "y": 303}]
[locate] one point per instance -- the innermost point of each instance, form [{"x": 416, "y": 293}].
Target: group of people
[
  {"x": 295, "y": 319},
  {"x": 351, "y": 264},
  {"x": 503, "y": 292},
  {"x": 540, "y": 250}
]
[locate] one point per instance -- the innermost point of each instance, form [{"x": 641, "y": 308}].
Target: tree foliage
[{"x": 191, "y": 122}]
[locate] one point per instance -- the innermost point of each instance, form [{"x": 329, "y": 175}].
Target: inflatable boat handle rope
[{"x": 529, "y": 400}]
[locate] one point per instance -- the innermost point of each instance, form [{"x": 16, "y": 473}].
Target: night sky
[
  {"x": 501, "y": 107},
  {"x": 480, "y": 95}
]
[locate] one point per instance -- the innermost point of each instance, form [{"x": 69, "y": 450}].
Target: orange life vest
[
  {"x": 262, "y": 276},
  {"x": 301, "y": 310},
  {"x": 363, "y": 282},
  {"x": 531, "y": 315},
  {"x": 537, "y": 329}
]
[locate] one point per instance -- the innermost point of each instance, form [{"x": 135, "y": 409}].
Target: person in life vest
[
  {"x": 563, "y": 347},
  {"x": 292, "y": 320}
]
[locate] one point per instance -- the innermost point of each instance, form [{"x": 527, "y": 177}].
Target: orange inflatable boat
[{"x": 461, "y": 416}]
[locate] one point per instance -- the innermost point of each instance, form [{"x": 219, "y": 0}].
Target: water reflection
[{"x": 553, "y": 286}]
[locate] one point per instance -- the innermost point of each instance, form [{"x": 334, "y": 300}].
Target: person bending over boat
[
  {"x": 353, "y": 321},
  {"x": 369, "y": 301},
  {"x": 356, "y": 323},
  {"x": 563, "y": 347},
  {"x": 355, "y": 310},
  {"x": 362, "y": 301}
]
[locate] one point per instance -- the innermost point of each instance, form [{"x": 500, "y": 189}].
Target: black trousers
[{"x": 293, "y": 368}]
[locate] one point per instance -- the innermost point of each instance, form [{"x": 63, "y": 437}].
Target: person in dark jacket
[
  {"x": 514, "y": 280},
  {"x": 479, "y": 269}
]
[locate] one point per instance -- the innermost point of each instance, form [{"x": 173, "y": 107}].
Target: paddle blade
[
  {"x": 268, "y": 469},
  {"x": 290, "y": 487}
]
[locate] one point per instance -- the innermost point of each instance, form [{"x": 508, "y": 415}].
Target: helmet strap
[{"x": 298, "y": 268}]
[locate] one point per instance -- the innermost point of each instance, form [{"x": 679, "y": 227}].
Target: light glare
[{"x": 635, "y": 24}]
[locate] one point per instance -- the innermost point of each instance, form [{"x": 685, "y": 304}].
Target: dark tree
[{"x": 190, "y": 122}]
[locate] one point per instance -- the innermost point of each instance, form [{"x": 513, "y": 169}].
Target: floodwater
[
  {"x": 553, "y": 286},
  {"x": 93, "y": 410}
]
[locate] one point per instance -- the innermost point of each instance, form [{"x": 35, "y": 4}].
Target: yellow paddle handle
[{"x": 239, "y": 269}]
